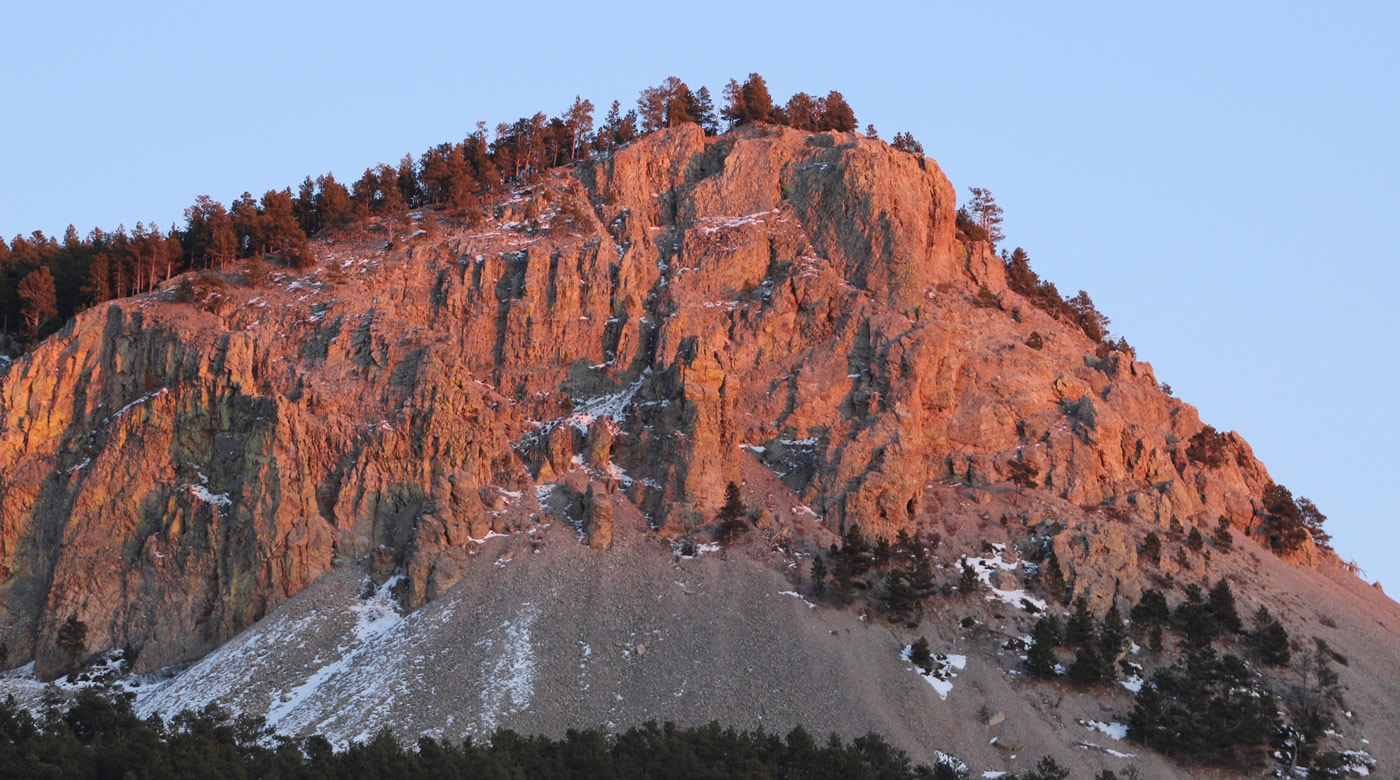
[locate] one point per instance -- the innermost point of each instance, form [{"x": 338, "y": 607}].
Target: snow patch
[
  {"x": 711, "y": 225},
  {"x": 984, "y": 567},
  {"x": 1358, "y": 762},
  {"x": 1101, "y": 749},
  {"x": 940, "y": 678},
  {"x": 952, "y": 762},
  {"x": 679, "y": 549},
  {"x": 797, "y": 596},
  {"x": 1117, "y": 731},
  {"x": 808, "y": 442},
  {"x": 143, "y": 399},
  {"x": 374, "y": 617},
  {"x": 509, "y": 682},
  {"x": 202, "y": 493}
]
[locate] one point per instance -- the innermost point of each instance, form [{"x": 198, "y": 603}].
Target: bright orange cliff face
[{"x": 773, "y": 307}]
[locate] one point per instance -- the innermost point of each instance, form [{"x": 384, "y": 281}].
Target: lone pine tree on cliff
[
  {"x": 986, "y": 213},
  {"x": 732, "y": 522}
]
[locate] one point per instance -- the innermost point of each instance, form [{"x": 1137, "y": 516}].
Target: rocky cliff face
[{"x": 688, "y": 312}]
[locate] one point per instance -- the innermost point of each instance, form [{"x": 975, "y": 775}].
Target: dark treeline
[
  {"x": 99, "y": 736},
  {"x": 44, "y": 280}
]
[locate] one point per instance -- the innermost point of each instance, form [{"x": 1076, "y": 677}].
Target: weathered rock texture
[{"x": 171, "y": 471}]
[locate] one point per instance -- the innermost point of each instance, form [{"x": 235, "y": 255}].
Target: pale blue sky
[{"x": 1220, "y": 177}]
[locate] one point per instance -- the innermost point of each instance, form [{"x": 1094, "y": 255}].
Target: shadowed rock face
[{"x": 769, "y": 299}]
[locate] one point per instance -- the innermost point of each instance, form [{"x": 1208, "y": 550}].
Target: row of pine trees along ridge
[{"x": 45, "y": 281}]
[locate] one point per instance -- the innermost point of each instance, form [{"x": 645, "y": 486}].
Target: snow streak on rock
[{"x": 507, "y": 679}]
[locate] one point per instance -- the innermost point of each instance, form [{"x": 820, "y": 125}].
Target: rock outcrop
[{"x": 690, "y": 308}]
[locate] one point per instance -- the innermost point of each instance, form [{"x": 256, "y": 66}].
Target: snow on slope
[
  {"x": 348, "y": 670},
  {"x": 984, "y": 567}
]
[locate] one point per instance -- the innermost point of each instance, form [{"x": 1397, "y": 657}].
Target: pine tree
[
  {"x": 1080, "y": 628},
  {"x": 1196, "y": 619},
  {"x": 1194, "y": 540},
  {"x": 818, "y": 574},
  {"x": 920, "y": 655},
  {"x": 1112, "y": 640},
  {"x": 1040, "y": 656},
  {"x": 986, "y": 213},
  {"x": 256, "y": 271},
  {"x": 1181, "y": 559},
  {"x": 99, "y": 283},
  {"x": 1223, "y": 538},
  {"x": 410, "y": 188},
  {"x": 705, "y": 111},
  {"x": 871, "y": 132},
  {"x": 1313, "y": 519},
  {"x": 732, "y": 520},
  {"x": 579, "y": 120},
  {"x": 1154, "y": 639},
  {"x": 748, "y": 102},
  {"x": 1152, "y": 548},
  {"x": 279, "y": 231},
  {"x": 836, "y": 113},
  {"x": 1150, "y": 610},
  {"x": 1089, "y": 319},
  {"x": 72, "y": 638},
  {"x": 802, "y": 112},
  {"x": 681, "y": 107},
  {"x": 305, "y": 207},
  {"x": 1321, "y": 688},
  {"x": 458, "y": 185},
  {"x": 1144, "y": 721},
  {"x": 1222, "y": 607},
  {"x": 431, "y": 228},
  {"x": 855, "y": 550},
  {"x": 666, "y": 105},
  {"x": 1087, "y": 668},
  {"x": 247, "y": 224},
  {"x": 905, "y": 142},
  {"x": 390, "y": 201},
  {"x": 967, "y": 581},
  {"x": 1023, "y": 474},
  {"x": 39, "y": 302},
  {"x": 1054, "y": 579},
  {"x": 1269, "y": 639},
  {"x": 842, "y": 577},
  {"x": 898, "y": 599},
  {"x": 758, "y": 104},
  {"x": 300, "y": 255},
  {"x": 333, "y": 202},
  {"x": 921, "y": 583},
  {"x": 881, "y": 553}
]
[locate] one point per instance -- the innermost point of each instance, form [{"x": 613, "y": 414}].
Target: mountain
[{"x": 466, "y": 477}]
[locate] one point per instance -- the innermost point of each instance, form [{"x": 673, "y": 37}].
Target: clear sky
[{"x": 1221, "y": 177}]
